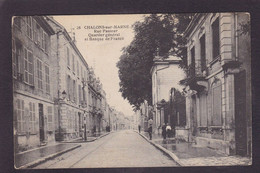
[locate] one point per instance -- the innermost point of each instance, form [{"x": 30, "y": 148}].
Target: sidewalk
[
  {"x": 89, "y": 138},
  {"x": 31, "y": 158},
  {"x": 187, "y": 154}
]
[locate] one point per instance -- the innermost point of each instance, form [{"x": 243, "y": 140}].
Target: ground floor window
[
  {"x": 20, "y": 116},
  {"x": 50, "y": 118},
  {"x": 216, "y": 104},
  {"x": 32, "y": 120}
]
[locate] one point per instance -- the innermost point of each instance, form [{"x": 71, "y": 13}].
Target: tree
[{"x": 156, "y": 32}]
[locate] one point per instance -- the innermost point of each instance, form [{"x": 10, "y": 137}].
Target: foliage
[{"x": 157, "y": 34}]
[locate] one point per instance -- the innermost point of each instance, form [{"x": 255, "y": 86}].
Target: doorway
[
  {"x": 240, "y": 114},
  {"x": 41, "y": 122}
]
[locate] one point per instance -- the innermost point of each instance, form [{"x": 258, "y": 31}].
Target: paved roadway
[{"x": 118, "y": 149}]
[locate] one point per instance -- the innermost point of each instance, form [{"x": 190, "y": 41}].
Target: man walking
[
  {"x": 164, "y": 131},
  {"x": 139, "y": 128},
  {"x": 150, "y": 129}
]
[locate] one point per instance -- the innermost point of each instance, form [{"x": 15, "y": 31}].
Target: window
[
  {"x": 216, "y": 103},
  {"x": 202, "y": 53},
  {"x": 47, "y": 79},
  {"x": 43, "y": 40},
  {"x": 77, "y": 68},
  {"x": 74, "y": 91},
  {"x": 20, "y": 116},
  {"x": 50, "y": 118},
  {"x": 81, "y": 72},
  {"x": 32, "y": 120},
  {"x": 73, "y": 63},
  {"x": 16, "y": 55},
  {"x": 203, "y": 110},
  {"x": 39, "y": 74},
  {"x": 215, "y": 38},
  {"x": 46, "y": 38},
  {"x": 28, "y": 67},
  {"x": 79, "y": 90},
  {"x": 68, "y": 57},
  {"x": 68, "y": 87},
  {"x": 17, "y": 21},
  {"x": 192, "y": 67},
  {"x": 29, "y": 30}
]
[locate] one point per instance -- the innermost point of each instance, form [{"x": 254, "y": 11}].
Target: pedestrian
[
  {"x": 139, "y": 128},
  {"x": 164, "y": 131},
  {"x": 150, "y": 130},
  {"x": 168, "y": 130}
]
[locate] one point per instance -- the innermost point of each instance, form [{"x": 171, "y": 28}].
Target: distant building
[
  {"x": 32, "y": 79},
  {"x": 218, "y": 85},
  {"x": 166, "y": 74}
]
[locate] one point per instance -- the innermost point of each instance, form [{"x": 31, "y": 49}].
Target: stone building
[
  {"x": 166, "y": 74},
  {"x": 32, "y": 77},
  {"x": 70, "y": 85},
  {"x": 218, "y": 84}
]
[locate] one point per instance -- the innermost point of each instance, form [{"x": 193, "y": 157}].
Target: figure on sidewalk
[
  {"x": 168, "y": 130},
  {"x": 164, "y": 131},
  {"x": 150, "y": 129},
  {"x": 139, "y": 128}
]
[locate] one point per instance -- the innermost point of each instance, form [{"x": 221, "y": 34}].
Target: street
[{"x": 118, "y": 149}]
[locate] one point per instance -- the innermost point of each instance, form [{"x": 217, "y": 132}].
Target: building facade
[
  {"x": 166, "y": 74},
  {"x": 70, "y": 85},
  {"x": 218, "y": 83},
  {"x": 32, "y": 77}
]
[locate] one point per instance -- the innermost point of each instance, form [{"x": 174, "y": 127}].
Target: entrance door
[
  {"x": 240, "y": 113},
  {"x": 41, "y": 122}
]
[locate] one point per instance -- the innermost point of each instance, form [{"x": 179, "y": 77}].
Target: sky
[{"x": 103, "y": 55}]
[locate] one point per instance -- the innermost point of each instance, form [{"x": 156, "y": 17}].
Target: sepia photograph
[{"x": 132, "y": 90}]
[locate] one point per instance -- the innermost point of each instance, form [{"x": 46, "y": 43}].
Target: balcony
[{"x": 196, "y": 81}]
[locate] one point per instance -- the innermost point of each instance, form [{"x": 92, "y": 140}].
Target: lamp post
[{"x": 64, "y": 95}]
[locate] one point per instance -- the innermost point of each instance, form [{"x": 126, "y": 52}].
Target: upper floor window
[
  {"x": 192, "y": 67},
  {"x": 77, "y": 68},
  {"x": 73, "y": 63},
  {"x": 39, "y": 74},
  {"x": 28, "y": 67},
  {"x": 47, "y": 79},
  {"x": 29, "y": 29},
  {"x": 202, "y": 53},
  {"x": 68, "y": 57},
  {"x": 215, "y": 38},
  {"x": 69, "y": 87},
  {"x": 16, "y": 56}
]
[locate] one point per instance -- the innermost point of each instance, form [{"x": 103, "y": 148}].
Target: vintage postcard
[{"x": 132, "y": 90}]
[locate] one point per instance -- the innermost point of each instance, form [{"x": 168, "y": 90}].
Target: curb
[
  {"x": 74, "y": 141},
  {"x": 172, "y": 155},
  {"x": 39, "y": 161}
]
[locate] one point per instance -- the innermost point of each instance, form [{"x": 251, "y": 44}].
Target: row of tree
[{"x": 158, "y": 34}]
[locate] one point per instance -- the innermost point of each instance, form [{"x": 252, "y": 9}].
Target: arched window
[{"x": 216, "y": 104}]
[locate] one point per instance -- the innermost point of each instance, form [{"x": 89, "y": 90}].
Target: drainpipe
[
  {"x": 236, "y": 36},
  {"x": 58, "y": 74}
]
